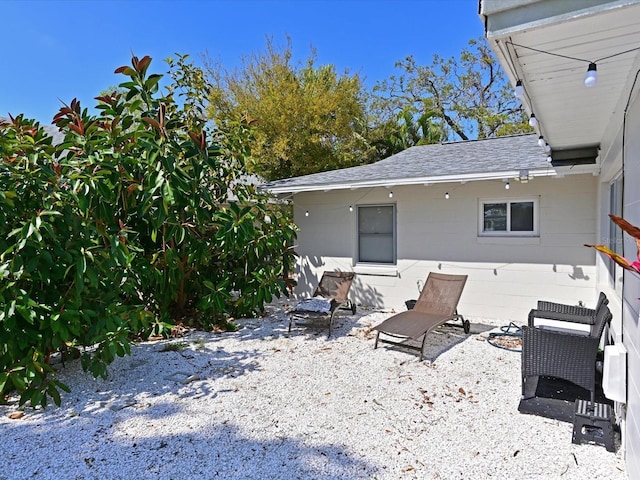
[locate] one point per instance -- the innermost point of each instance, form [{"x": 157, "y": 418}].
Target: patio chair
[
  {"x": 331, "y": 295},
  {"x": 436, "y": 305},
  {"x": 563, "y": 352}
]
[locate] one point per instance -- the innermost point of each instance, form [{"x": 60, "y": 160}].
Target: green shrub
[{"x": 140, "y": 216}]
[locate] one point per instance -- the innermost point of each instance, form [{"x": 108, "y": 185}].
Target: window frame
[
  {"x": 508, "y": 232},
  {"x": 394, "y": 261}
]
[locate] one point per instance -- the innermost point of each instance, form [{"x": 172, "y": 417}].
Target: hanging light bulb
[
  {"x": 519, "y": 89},
  {"x": 533, "y": 121},
  {"x": 547, "y": 148},
  {"x": 306, "y": 214},
  {"x": 549, "y": 159},
  {"x": 591, "y": 77},
  {"x": 541, "y": 141},
  {"x": 507, "y": 186},
  {"x": 446, "y": 195},
  {"x": 390, "y": 194},
  {"x": 351, "y": 208}
]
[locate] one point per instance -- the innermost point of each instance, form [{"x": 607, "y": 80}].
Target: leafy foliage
[
  {"x": 451, "y": 99},
  {"x": 141, "y": 216},
  {"x": 631, "y": 230},
  {"x": 307, "y": 118}
]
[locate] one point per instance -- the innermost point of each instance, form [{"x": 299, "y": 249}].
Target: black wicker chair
[{"x": 562, "y": 353}]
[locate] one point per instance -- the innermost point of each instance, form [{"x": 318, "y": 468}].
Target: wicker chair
[{"x": 563, "y": 353}]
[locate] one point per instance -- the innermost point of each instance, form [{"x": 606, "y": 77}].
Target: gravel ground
[{"x": 262, "y": 404}]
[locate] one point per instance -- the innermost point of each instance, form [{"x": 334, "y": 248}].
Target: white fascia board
[
  {"x": 469, "y": 177},
  {"x": 527, "y": 16}
]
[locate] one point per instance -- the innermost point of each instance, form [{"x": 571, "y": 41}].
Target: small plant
[
  {"x": 174, "y": 347},
  {"x": 199, "y": 344}
]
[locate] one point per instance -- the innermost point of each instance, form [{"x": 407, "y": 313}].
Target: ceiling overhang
[{"x": 548, "y": 46}]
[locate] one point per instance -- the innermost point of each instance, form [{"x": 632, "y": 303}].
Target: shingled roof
[{"x": 492, "y": 158}]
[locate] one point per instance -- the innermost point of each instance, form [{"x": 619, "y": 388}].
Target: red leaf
[
  {"x": 152, "y": 122},
  {"x": 120, "y": 69},
  {"x": 626, "y": 226}
]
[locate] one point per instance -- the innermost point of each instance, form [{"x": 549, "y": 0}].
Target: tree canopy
[
  {"x": 451, "y": 99},
  {"x": 306, "y": 118}
]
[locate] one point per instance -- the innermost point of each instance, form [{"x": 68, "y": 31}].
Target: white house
[
  {"x": 578, "y": 63},
  {"x": 493, "y": 209}
]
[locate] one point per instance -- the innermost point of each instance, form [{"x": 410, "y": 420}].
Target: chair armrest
[
  {"x": 562, "y": 308},
  {"x": 582, "y": 318}
]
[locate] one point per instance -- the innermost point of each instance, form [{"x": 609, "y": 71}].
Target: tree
[
  {"x": 464, "y": 98},
  {"x": 140, "y": 218},
  {"x": 306, "y": 118}
]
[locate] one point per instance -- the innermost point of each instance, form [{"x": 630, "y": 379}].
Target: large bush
[{"x": 142, "y": 216}]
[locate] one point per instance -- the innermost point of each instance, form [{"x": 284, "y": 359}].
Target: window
[
  {"x": 513, "y": 217},
  {"x": 615, "y": 234},
  {"x": 377, "y": 234}
]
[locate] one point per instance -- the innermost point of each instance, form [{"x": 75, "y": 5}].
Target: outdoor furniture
[
  {"x": 562, "y": 352},
  {"x": 436, "y": 306},
  {"x": 331, "y": 295}
]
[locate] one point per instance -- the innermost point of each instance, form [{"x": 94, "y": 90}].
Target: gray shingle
[{"x": 493, "y": 155}]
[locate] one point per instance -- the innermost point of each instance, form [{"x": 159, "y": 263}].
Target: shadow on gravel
[
  {"x": 441, "y": 340},
  {"x": 222, "y": 451}
]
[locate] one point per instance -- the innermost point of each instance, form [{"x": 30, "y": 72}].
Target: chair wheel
[{"x": 466, "y": 325}]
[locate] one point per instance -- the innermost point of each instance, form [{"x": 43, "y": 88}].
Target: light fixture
[
  {"x": 533, "y": 121},
  {"x": 351, "y": 208},
  {"x": 549, "y": 159},
  {"x": 547, "y": 148},
  {"x": 306, "y": 214},
  {"x": 519, "y": 89},
  {"x": 591, "y": 77},
  {"x": 390, "y": 194},
  {"x": 523, "y": 176},
  {"x": 541, "y": 141},
  {"x": 507, "y": 186},
  {"x": 446, "y": 195}
]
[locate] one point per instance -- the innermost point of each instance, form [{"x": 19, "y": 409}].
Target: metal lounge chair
[
  {"x": 436, "y": 306},
  {"x": 331, "y": 295},
  {"x": 563, "y": 353}
]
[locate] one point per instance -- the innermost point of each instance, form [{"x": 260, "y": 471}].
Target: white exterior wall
[
  {"x": 507, "y": 276},
  {"x": 631, "y": 291}
]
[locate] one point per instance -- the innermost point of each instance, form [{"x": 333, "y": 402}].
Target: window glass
[
  {"x": 495, "y": 217},
  {"x": 522, "y": 217},
  {"x": 376, "y": 237}
]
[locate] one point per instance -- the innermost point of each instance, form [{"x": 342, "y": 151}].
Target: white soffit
[{"x": 570, "y": 114}]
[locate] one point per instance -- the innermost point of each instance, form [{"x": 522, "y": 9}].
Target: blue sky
[{"x": 55, "y": 50}]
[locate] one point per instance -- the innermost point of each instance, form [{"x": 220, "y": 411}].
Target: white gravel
[{"x": 262, "y": 404}]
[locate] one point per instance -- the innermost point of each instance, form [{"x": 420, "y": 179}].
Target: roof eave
[{"x": 471, "y": 177}]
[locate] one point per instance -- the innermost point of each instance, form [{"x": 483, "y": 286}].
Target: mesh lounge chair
[
  {"x": 563, "y": 352},
  {"x": 331, "y": 295},
  {"x": 436, "y": 306}
]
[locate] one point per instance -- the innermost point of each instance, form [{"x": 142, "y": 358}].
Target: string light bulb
[
  {"x": 533, "y": 121},
  {"x": 351, "y": 208},
  {"x": 541, "y": 141},
  {"x": 507, "y": 186},
  {"x": 306, "y": 214},
  {"x": 519, "y": 91},
  {"x": 390, "y": 194},
  {"x": 547, "y": 148},
  {"x": 591, "y": 77},
  {"x": 549, "y": 159},
  {"x": 446, "y": 195}
]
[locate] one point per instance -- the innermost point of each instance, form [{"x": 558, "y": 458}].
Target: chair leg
[
  {"x": 375, "y": 345},
  {"x": 424, "y": 341},
  {"x": 290, "y": 322},
  {"x": 529, "y": 386}
]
